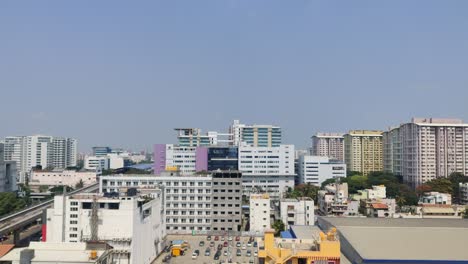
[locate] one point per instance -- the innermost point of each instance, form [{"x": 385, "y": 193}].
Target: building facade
[
  {"x": 267, "y": 169},
  {"x": 426, "y": 148},
  {"x": 364, "y": 151},
  {"x": 317, "y": 169},
  {"x": 255, "y": 135},
  {"x": 97, "y": 164},
  {"x": 8, "y": 174},
  {"x": 463, "y": 193},
  {"x": 259, "y": 215},
  {"x": 193, "y": 137},
  {"x": 181, "y": 157},
  {"x": 62, "y": 177},
  {"x": 297, "y": 211},
  {"x": 101, "y": 151},
  {"x": 133, "y": 225},
  {"x": 226, "y": 201},
  {"x": 328, "y": 145},
  {"x": 39, "y": 150}
]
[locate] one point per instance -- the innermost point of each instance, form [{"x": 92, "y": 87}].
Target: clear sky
[{"x": 125, "y": 73}]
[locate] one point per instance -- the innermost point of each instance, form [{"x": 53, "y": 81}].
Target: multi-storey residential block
[
  {"x": 255, "y": 135},
  {"x": 259, "y": 213},
  {"x": 133, "y": 225},
  {"x": 62, "y": 177},
  {"x": 8, "y": 173},
  {"x": 297, "y": 211},
  {"x": 190, "y": 199},
  {"x": 226, "y": 201},
  {"x": 426, "y": 148},
  {"x": 267, "y": 169},
  {"x": 363, "y": 151},
  {"x": 317, "y": 169},
  {"x": 328, "y": 145},
  {"x": 463, "y": 193}
]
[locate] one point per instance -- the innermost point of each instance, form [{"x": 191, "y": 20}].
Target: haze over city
[{"x": 125, "y": 74}]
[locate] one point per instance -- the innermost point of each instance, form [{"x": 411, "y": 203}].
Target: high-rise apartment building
[
  {"x": 328, "y": 145},
  {"x": 255, "y": 135},
  {"x": 7, "y": 173},
  {"x": 426, "y": 148},
  {"x": 38, "y": 150},
  {"x": 364, "y": 151}
]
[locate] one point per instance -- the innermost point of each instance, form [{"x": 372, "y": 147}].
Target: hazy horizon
[{"x": 125, "y": 74}]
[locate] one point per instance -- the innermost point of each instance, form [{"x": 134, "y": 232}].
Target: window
[{"x": 73, "y": 235}]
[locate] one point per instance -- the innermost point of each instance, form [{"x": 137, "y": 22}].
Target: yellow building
[
  {"x": 325, "y": 249},
  {"x": 364, "y": 151}
]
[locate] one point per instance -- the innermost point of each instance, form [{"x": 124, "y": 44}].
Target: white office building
[
  {"x": 255, "y": 135},
  {"x": 426, "y": 148},
  {"x": 39, "y": 150},
  {"x": 328, "y": 145},
  {"x": 267, "y": 169},
  {"x": 173, "y": 156},
  {"x": 259, "y": 215},
  {"x": 316, "y": 169},
  {"x": 97, "y": 164},
  {"x": 297, "y": 211},
  {"x": 132, "y": 225}
]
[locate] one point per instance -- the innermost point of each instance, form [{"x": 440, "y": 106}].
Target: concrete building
[
  {"x": 226, "y": 201},
  {"x": 463, "y": 193},
  {"x": 193, "y": 137},
  {"x": 8, "y": 174},
  {"x": 60, "y": 253},
  {"x": 173, "y": 156},
  {"x": 39, "y": 150},
  {"x": 259, "y": 216},
  {"x": 377, "y": 192},
  {"x": 101, "y": 151},
  {"x": 267, "y": 169},
  {"x": 391, "y": 240},
  {"x": 255, "y": 135},
  {"x": 329, "y": 145},
  {"x": 363, "y": 151},
  {"x": 133, "y": 225},
  {"x": 435, "y": 198},
  {"x": 426, "y": 148},
  {"x": 319, "y": 248},
  {"x": 97, "y": 164},
  {"x": 62, "y": 177},
  {"x": 333, "y": 201},
  {"x": 315, "y": 169},
  {"x": 192, "y": 202},
  {"x": 297, "y": 211}
]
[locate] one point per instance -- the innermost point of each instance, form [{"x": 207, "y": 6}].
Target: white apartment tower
[
  {"x": 259, "y": 213},
  {"x": 426, "y": 148},
  {"x": 38, "y": 150},
  {"x": 328, "y": 145}
]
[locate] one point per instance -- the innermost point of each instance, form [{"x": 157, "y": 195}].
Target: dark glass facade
[{"x": 223, "y": 158}]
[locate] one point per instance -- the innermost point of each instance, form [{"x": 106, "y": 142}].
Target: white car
[
  {"x": 230, "y": 238},
  {"x": 243, "y": 246},
  {"x": 195, "y": 254}
]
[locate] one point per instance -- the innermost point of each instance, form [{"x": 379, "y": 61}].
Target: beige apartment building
[
  {"x": 426, "y": 148},
  {"x": 363, "y": 151},
  {"x": 329, "y": 145}
]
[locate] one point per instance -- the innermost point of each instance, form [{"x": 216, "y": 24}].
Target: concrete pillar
[{"x": 16, "y": 237}]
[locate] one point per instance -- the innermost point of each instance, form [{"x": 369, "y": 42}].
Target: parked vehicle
[
  {"x": 208, "y": 238},
  {"x": 201, "y": 244},
  {"x": 195, "y": 254},
  {"x": 207, "y": 252},
  {"x": 238, "y": 252}
]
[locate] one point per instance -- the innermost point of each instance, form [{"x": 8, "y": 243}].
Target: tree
[
  {"x": 303, "y": 190},
  {"x": 456, "y": 178},
  {"x": 59, "y": 189},
  {"x": 465, "y": 214},
  {"x": 442, "y": 185},
  {"x": 80, "y": 184},
  {"x": 9, "y": 202},
  {"x": 278, "y": 225},
  {"x": 43, "y": 188},
  {"x": 356, "y": 182}
]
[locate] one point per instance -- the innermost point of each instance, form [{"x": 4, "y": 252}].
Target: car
[
  {"x": 238, "y": 244},
  {"x": 225, "y": 252},
  {"x": 207, "y": 252},
  {"x": 201, "y": 244},
  {"x": 230, "y": 238},
  {"x": 243, "y": 246},
  {"x": 251, "y": 261},
  {"x": 222, "y": 238},
  {"x": 212, "y": 243},
  {"x": 166, "y": 258},
  {"x": 255, "y": 253},
  {"x": 195, "y": 254},
  {"x": 220, "y": 246},
  {"x": 249, "y": 253},
  {"x": 249, "y": 244},
  {"x": 216, "y": 238},
  {"x": 255, "y": 244},
  {"x": 208, "y": 238},
  {"x": 237, "y": 238},
  {"x": 217, "y": 254},
  {"x": 238, "y": 252},
  {"x": 225, "y": 244}
]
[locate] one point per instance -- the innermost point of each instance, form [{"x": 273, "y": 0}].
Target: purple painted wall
[
  {"x": 159, "y": 158},
  {"x": 201, "y": 160}
]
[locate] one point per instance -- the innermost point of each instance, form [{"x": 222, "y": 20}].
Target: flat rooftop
[{"x": 367, "y": 240}]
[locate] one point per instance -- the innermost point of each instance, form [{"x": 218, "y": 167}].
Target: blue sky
[{"x": 124, "y": 73}]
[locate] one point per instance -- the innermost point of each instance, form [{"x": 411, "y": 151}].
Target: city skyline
[{"x": 127, "y": 74}]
